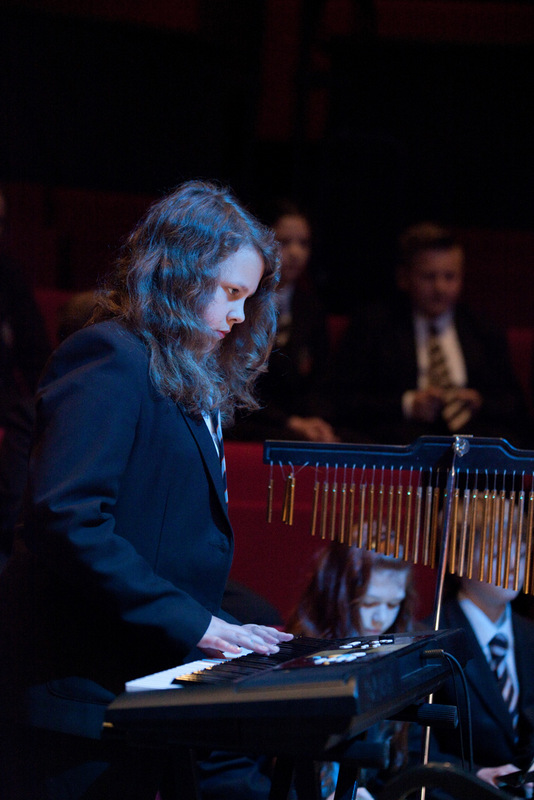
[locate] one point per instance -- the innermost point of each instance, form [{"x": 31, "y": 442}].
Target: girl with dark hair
[
  {"x": 353, "y": 591},
  {"x": 119, "y": 568},
  {"x": 291, "y": 391}
]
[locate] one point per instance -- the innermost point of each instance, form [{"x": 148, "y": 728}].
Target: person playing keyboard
[{"x": 120, "y": 565}]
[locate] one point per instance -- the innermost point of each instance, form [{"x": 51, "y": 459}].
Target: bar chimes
[{"x": 465, "y": 501}]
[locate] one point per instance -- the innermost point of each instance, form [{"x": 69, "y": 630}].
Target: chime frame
[{"x": 428, "y": 455}]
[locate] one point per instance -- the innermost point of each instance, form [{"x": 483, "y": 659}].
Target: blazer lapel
[
  {"x": 524, "y": 662},
  {"x": 209, "y": 455},
  {"x": 479, "y": 675},
  {"x": 483, "y": 683}
]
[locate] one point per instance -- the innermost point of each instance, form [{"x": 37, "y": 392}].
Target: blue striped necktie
[
  {"x": 498, "y": 648},
  {"x": 217, "y": 427}
]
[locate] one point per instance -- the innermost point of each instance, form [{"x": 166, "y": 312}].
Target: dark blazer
[
  {"x": 126, "y": 544},
  {"x": 377, "y": 363},
  {"x": 493, "y": 739}
]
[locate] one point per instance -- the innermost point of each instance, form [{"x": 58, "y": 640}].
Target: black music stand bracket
[{"x": 427, "y": 452}]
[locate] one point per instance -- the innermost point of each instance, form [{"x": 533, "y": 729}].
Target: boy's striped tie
[
  {"x": 498, "y": 648},
  {"x": 455, "y": 412}
]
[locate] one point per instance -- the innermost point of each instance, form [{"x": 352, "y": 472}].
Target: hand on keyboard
[{"x": 222, "y": 636}]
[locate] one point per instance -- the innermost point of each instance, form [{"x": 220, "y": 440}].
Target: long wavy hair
[
  {"x": 329, "y": 605},
  {"x": 164, "y": 279}
]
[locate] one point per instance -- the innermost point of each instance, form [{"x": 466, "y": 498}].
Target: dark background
[{"x": 370, "y": 127}]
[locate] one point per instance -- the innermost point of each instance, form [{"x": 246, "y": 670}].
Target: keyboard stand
[
  {"x": 304, "y": 772},
  {"x": 181, "y": 779}
]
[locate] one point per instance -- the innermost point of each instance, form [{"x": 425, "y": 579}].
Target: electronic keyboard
[{"x": 307, "y": 698}]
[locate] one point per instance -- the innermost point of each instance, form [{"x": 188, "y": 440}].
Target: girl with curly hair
[{"x": 120, "y": 565}]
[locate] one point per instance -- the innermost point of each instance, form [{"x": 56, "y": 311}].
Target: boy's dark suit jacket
[
  {"x": 377, "y": 363},
  {"x": 493, "y": 739},
  {"x": 126, "y": 545}
]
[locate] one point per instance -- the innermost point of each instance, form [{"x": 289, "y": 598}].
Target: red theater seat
[{"x": 50, "y": 301}]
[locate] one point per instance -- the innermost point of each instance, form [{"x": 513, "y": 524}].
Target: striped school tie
[
  {"x": 498, "y": 648},
  {"x": 216, "y": 420},
  {"x": 456, "y": 413}
]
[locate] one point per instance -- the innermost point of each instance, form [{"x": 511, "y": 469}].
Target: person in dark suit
[
  {"x": 501, "y": 692},
  {"x": 120, "y": 565},
  {"x": 387, "y": 386},
  {"x": 290, "y": 390}
]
